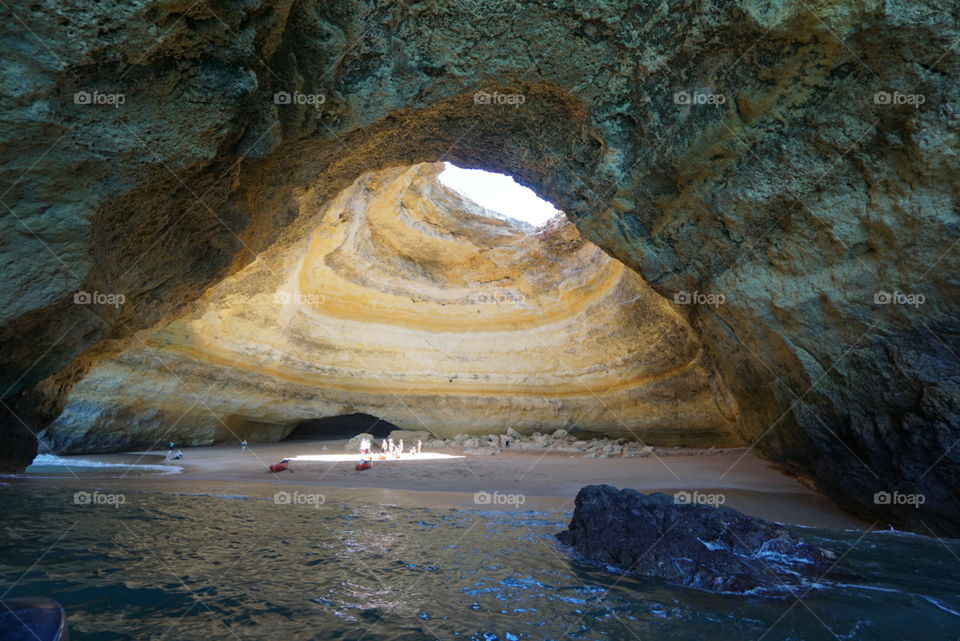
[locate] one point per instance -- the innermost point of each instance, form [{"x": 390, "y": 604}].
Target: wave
[
  {"x": 877, "y": 588},
  {"x": 936, "y": 603},
  {"x": 52, "y": 460}
]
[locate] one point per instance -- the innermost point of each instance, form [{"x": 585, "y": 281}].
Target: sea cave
[{"x": 481, "y": 320}]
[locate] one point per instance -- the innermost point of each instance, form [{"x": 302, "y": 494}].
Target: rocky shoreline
[{"x": 560, "y": 440}]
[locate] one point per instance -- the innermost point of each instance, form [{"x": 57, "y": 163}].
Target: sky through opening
[{"x": 499, "y": 193}]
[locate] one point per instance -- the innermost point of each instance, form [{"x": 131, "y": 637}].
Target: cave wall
[
  {"x": 798, "y": 196},
  {"x": 408, "y": 302}
]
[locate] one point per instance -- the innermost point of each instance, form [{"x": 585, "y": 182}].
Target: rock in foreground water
[{"x": 711, "y": 548}]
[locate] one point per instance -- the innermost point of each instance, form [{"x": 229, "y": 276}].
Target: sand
[{"x": 544, "y": 479}]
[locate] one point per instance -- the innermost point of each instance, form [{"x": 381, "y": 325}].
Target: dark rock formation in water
[
  {"x": 710, "y": 548},
  {"x": 796, "y": 158}
]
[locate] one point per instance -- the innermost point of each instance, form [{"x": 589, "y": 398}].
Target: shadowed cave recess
[{"x": 800, "y": 201}]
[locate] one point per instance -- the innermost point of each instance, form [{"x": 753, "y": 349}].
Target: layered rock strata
[{"x": 409, "y": 303}]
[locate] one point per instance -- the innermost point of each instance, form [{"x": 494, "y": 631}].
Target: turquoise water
[{"x": 161, "y": 566}]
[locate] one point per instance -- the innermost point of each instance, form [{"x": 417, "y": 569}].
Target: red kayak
[
  {"x": 364, "y": 465},
  {"x": 279, "y": 467}
]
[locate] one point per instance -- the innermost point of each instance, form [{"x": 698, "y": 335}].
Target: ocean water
[{"x": 200, "y": 567}]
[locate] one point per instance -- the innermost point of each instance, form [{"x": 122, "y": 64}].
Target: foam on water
[
  {"x": 940, "y": 605},
  {"x": 932, "y": 601},
  {"x": 52, "y": 460}
]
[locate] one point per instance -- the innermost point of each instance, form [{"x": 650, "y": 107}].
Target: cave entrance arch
[{"x": 547, "y": 144}]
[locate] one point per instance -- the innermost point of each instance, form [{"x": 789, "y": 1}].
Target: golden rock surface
[{"x": 410, "y": 303}]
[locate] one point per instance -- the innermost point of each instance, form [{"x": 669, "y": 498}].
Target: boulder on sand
[
  {"x": 717, "y": 549},
  {"x": 353, "y": 445}
]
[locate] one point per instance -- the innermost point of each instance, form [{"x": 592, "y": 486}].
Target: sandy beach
[{"x": 546, "y": 480}]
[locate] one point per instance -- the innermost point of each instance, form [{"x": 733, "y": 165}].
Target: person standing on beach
[
  {"x": 243, "y": 445},
  {"x": 383, "y": 446},
  {"x": 419, "y": 445}
]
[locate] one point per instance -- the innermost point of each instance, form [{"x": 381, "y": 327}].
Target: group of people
[{"x": 388, "y": 447}]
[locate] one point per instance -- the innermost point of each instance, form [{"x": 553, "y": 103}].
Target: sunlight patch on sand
[{"x": 331, "y": 458}]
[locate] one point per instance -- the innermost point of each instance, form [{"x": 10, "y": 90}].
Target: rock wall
[
  {"x": 409, "y": 303},
  {"x": 776, "y": 153}
]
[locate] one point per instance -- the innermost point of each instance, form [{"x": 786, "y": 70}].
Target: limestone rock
[
  {"x": 353, "y": 445},
  {"x": 405, "y": 285},
  {"x": 473, "y": 444},
  {"x": 410, "y": 437}
]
